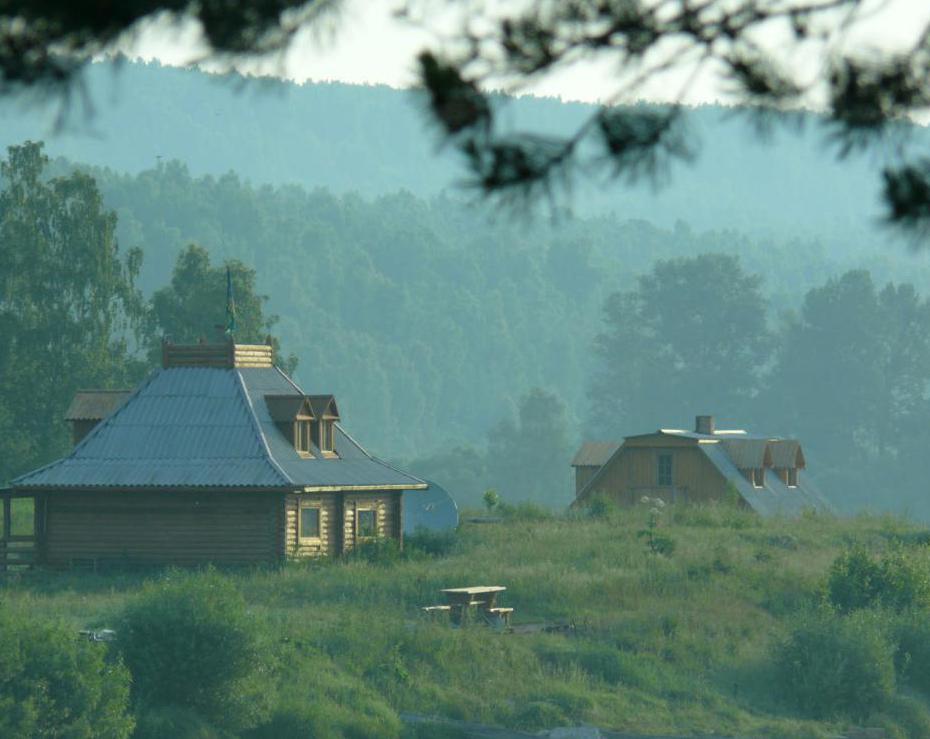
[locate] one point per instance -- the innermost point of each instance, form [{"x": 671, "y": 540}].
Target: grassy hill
[{"x": 686, "y": 642}]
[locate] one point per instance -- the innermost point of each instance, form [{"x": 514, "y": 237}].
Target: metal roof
[
  {"x": 594, "y": 453},
  {"x": 286, "y": 408},
  {"x": 208, "y": 427},
  {"x": 774, "y": 498},
  {"x": 94, "y": 405},
  {"x": 748, "y": 453},
  {"x": 787, "y": 453}
]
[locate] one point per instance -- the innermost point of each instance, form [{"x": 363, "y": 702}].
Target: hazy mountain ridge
[{"x": 374, "y": 140}]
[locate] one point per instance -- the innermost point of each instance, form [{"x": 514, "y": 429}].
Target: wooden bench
[{"x": 501, "y": 614}]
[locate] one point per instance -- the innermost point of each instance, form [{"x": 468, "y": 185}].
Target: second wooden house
[{"x": 765, "y": 473}]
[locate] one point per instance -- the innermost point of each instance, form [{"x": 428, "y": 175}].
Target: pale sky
[{"x": 370, "y": 46}]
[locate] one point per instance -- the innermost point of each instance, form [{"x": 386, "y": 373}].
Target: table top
[{"x": 475, "y": 590}]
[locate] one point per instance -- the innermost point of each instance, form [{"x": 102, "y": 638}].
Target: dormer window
[
  {"x": 792, "y": 477},
  {"x": 307, "y": 421},
  {"x": 757, "y": 477},
  {"x": 302, "y": 437},
  {"x": 326, "y": 414},
  {"x": 293, "y": 415}
]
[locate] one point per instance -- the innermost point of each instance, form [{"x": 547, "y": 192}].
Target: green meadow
[{"x": 698, "y": 639}]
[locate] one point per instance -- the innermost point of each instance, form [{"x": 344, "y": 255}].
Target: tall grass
[{"x": 677, "y": 643}]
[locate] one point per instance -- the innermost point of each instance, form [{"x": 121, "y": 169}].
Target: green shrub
[
  {"x": 912, "y": 658},
  {"x": 190, "y": 641},
  {"x": 905, "y": 580},
  {"x": 901, "y": 580},
  {"x": 832, "y": 665},
  {"x": 175, "y": 722},
  {"x": 539, "y": 714},
  {"x": 381, "y": 551},
  {"x": 52, "y": 683},
  {"x": 602, "y": 505},
  {"x": 321, "y": 719},
  {"x": 430, "y": 543},
  {"x": 905, "y": 717}
]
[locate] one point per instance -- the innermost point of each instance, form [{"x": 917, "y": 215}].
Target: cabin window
[
  {"x": 366, "y": 523},
  {"x": 302, "y": 436},
  {"x": 758, "y": 477},
  {"x": 309, "y": 522},
  {"x": 326, "y": 428},
  {"x": 664, "y": 470},
  {"x": 792, "y": 477}
]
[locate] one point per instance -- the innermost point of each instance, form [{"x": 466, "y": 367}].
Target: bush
[
  {"x": 430, "y": 543},
  {"x": 322, "y": 719},
  {"x": 52, "y": 683},
  {"x": 174, "y": 722},
  {"x": 381, "y": 551},
  {"x": 912, "y": 658},
  {"x": 901, "y": 581},
  {"x": 190, "y": 642},
  {"x": 837, "y": 666}
]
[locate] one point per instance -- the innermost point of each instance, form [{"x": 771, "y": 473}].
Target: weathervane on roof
[{"x": 230, "y": 305}]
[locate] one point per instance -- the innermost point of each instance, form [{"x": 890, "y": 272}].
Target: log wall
[
  {"x": 329, "y": 543},
  {"x": 163, "y": 527}
]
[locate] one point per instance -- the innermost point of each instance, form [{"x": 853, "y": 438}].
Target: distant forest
[{"x": 480, "y": 347}]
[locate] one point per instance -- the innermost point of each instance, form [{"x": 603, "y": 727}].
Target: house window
[
  {"x": 792, "y": 477},
  {"x": 309, "y": 522},
  {"x": 302, "y": 437},
  {"x": 366, "y": 526},
  {"x": 326, "y": 427},
  {"x": 758, "y": 477},
  {"x": 664, "y": 470}
]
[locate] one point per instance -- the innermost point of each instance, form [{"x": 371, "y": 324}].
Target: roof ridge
[{"x": 257, "y": 428}]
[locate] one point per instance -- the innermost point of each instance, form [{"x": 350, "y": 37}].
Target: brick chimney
[{"x": 704, "y": 425}]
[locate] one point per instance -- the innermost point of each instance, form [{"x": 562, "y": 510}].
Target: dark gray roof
[
  {"x": 94, "y": 405},
  {"x": 205, "y": 427},
  {"x": 286, "y": 408}
]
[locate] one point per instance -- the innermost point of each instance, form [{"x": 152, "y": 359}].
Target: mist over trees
[{"x": 479, "y": 351}]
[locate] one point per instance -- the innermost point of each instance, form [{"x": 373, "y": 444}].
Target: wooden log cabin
[
  {"x": 216, "y": 457},
  {"x": 764, "y": 473}
]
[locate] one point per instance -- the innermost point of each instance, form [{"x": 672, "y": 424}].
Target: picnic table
[{"x": 463, "y": 604}]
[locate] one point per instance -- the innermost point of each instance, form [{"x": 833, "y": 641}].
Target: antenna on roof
[{"x": 230, "y": 305}]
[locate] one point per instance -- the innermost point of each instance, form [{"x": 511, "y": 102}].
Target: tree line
[
  {"x": 71, "y": 313},
  {"x": 478, "y": 352}
]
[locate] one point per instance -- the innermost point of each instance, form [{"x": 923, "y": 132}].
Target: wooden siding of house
[
  {"x": 633, "y": 474},
  {"x": 163, "y": 527},
  {"x": 583, "y": 475},
  {"x": 389, "y": 515},
  {"x": 328, "y": 544},
  {"x": 80, "y": 429}
]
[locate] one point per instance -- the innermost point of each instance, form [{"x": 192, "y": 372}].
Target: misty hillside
[{"x": 375, "y": 140}]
